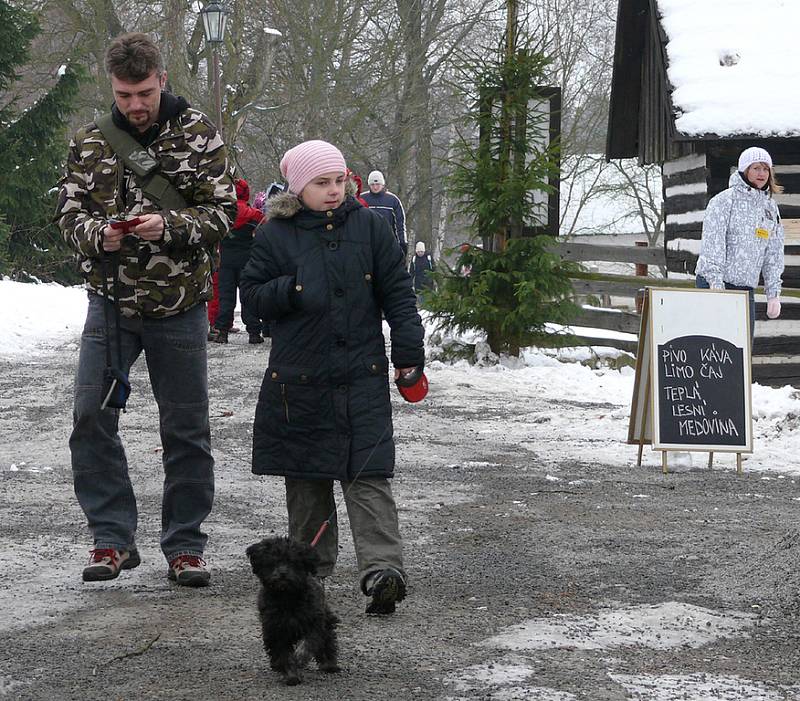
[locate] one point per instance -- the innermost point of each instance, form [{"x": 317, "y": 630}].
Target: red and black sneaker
[
  {"x": 106, "y": 563},
  {"x": 189, "y": 571}
]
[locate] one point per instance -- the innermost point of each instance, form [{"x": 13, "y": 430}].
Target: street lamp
[{"x": 215, "y": 17}]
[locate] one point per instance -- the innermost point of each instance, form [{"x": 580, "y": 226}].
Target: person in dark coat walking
[
  {"x": 322, "y": 270},
  {"x": 388, "y": 205},
  {"x": 420, "y": 268},
  {"x": 234, "y": 252}
]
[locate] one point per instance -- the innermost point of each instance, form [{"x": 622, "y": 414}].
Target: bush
[{"x": 510, "y": 294}]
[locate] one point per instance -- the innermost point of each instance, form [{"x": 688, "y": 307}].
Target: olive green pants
[{"x": 373, "y": 522}]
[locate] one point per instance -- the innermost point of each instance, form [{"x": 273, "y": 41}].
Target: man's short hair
[{"x": 133, "y": 57}]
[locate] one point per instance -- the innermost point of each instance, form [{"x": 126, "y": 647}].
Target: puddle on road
[
  {"x": 678, "y": 687},
  {"x": 663, "y": 626},
  {"x": 502, "y": 681}
]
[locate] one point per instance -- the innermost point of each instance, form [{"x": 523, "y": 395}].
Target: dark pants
[
  {"x": 229, "y": 277},
  {"x": 373, "y": 522},
  {"x": 702, "y": 284},
  {"x": 175, "y": 349}
]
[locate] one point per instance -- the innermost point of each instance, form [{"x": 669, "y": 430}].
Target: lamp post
[{"x": 215, "y": 17}]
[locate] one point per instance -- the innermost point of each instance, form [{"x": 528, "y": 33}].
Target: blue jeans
[
  {"x": 175, "y": 348},
  {"x": 702, "y": 284}
]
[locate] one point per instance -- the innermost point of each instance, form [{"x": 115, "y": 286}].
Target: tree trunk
[
  {"x": 412, "y": 112},
  {"x": 423, "y": 225}
]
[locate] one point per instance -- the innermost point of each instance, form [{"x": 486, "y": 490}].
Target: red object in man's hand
[
  {"x": 413, "y": 386},
  {"x": 125, "y": 224}
]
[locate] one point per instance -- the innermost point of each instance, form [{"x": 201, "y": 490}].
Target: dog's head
[{"x": 282, "y": 563}]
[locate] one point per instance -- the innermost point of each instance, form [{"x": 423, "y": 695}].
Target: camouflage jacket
[{"x": 155, "y": 278}]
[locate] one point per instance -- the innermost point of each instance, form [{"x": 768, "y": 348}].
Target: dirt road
[{"x": 530, "y": 577}]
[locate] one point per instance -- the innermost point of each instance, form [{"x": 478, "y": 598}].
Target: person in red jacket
[{"x": 234, "y": 254}]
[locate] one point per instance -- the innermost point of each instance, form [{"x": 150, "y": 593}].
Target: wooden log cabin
[{"x": 691, "y": 89}]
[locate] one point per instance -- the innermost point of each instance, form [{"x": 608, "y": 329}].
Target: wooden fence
[{"x": 776, "y": 347}]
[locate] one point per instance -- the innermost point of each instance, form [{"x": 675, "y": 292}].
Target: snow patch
[
  {"x": 504, "y": 680},
  {"x": 662, "y": 626},
  {"x": 39, "y": 318},
  {"x": 679, "y": 687}
]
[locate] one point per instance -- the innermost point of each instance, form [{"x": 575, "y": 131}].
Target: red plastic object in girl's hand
[{"x": 413, "y": 386}]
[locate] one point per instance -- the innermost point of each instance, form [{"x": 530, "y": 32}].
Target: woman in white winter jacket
[{"x": 743, "y": 235}]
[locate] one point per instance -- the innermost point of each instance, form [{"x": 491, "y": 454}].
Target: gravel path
[{"x": 530, "y": 577}]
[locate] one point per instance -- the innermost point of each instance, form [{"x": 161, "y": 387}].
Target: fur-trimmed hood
[
  {"x": 282, "y": 206},
  {"x": 286, "y": 205}
]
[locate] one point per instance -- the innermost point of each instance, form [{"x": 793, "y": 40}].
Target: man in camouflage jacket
[{"x": 155, "y": 279}]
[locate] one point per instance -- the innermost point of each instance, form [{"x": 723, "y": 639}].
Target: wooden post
[
  {"x": 738, "y": 463},
  {"x": 641, "y": 271},
  {"x": 664, "y": 462},
  {"x": 710, "y": 459},
  {"x": 640, "y": 293},
  {"x": 641, "y": 268},
  {"x": 643, "y": 427}
]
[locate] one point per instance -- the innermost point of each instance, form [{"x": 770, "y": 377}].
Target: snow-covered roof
[{"x": 734, "y": 65}]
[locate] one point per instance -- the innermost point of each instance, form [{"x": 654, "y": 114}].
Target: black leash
[
  {"x": 109, "y": 363},
  {"x": 327, "y": 521}
]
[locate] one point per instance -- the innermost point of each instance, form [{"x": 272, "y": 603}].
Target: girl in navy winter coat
[{"x": 322, "y": 269}]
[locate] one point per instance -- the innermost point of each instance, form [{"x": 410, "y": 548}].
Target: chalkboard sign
[
  {"x": 702, "y": 393},
  {"x": 692, "y": 387}
]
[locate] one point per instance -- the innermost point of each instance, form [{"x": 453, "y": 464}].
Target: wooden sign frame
[{"x": 726, "y": 316}]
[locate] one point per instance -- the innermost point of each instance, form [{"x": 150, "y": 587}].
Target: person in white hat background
[
  {"x": 743, "y": 236},
  {"x": 388, "y": 205},
  {"x": 420, "y": 268}
]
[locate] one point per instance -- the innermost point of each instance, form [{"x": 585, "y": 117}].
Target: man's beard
[{"x": 139, "y": 118}]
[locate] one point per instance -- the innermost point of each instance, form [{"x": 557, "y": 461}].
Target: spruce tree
[
  {"x": 515, "y": 283},
  {"x": 33, "y": 143}
]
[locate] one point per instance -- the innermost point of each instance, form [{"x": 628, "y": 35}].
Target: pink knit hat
[{"x": 306, "y": 161}]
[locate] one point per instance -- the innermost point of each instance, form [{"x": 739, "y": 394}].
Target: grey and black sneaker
[
  {"x": 220, "y": 336},
  {"x": 106, "y": 563},
  {"x": 189, "y": 571},
  {"x": 386, "y": 589}
]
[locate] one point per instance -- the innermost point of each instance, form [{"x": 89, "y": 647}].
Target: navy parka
[{"x": 322, "y": 279}]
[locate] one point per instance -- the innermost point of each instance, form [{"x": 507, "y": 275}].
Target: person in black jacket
[
  {"x": 234, "y": 252},
  {"x": 322, "y": 269},
  {"x": 388, "y": 205},
  {"x": 420, "y": 268}
]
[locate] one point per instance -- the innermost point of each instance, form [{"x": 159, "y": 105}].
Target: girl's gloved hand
[{"x": 774, "y": 307}]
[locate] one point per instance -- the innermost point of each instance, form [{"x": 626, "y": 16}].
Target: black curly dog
[{"x": 292, "y": 606}]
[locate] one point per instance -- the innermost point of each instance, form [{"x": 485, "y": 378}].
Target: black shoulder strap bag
[{"x": 157, "y": 187}]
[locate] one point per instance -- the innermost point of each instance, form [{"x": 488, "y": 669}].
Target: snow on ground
[
  {"x": 723, "y": 52},
  {"x": 661, "y": 627},
  {"x": 36, "y": 319},
  {"x": 678, "y": 687},
  {"x": 39, "y": 319}
]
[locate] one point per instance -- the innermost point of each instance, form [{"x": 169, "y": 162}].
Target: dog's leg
[
  {"x": 292, "y": 670},
  {"x": 283, "y": 661},
  {"x": 326, "y": 647}
]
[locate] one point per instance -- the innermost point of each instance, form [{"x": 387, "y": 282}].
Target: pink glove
[{"x": 774, "y": 308}]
